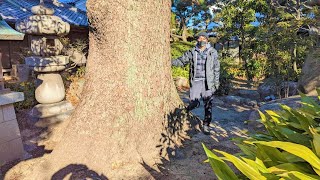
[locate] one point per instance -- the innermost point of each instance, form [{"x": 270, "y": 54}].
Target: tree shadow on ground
[
  {"x": 39, "y": 152},
  {"x": 179, "y": 129},
  {"x": 76, "y": 172},
  {"x": 182, "y": 161}
]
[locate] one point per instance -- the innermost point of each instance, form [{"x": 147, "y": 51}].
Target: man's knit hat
[{"x": 204, "y": 34}]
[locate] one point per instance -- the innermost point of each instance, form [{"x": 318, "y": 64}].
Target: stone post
[{"x": 11, "y": 146}]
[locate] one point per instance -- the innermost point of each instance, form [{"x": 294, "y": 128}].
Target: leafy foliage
[
  {"x": 236, "y": 18},
  {"x": 28, "y": 89},
  {"x": 290, "y": 149},
  {"x": 267, "y": 32},
  {"x": 80, "y": 45},
  {"x": 226, "y": 75},
  {"x": 180, "y": 72},
  {"x": 177, "y": 50}
]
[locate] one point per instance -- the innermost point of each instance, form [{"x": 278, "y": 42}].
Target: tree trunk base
[{"x": 147, "y": 164}]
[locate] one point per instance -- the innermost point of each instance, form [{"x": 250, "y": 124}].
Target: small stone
[
  {"x": 182, "y": 83},
  {"x": 250, "y": 102},
  {"x": 233, "y": 99},
  {"x": 269, "y": 89},
  {"x": 27, "y": 133},
  {"x": 217, "y": 101},
  {"x": 251, "y": 94},
  {"x": 293, "y": 102},
  {"x": 11, "y": 97}
]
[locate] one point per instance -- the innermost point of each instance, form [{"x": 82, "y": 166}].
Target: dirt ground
[{"x": 229, "y": 121}]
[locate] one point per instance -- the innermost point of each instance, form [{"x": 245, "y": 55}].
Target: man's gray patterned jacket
[{"x": 212, "y": 66}]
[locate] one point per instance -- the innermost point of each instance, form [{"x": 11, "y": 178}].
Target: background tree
[
  {"x": 186, "y": 11},
  {"x": 125, "y": 121},
  {"x": 183, "y": 10},
  {"x": 284, "y": 49},
  {"x": 294, "y": 12},
  {"x": 236, "y": 17}
]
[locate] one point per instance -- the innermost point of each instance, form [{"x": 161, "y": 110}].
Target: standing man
[{"x": 203, "y": 76}]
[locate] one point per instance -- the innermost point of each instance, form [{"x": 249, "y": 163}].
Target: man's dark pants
[{"x": 198, "y": 91}]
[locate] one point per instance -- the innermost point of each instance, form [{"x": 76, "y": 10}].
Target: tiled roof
[
  {"x": 7, "y": 33},
  {"x": 67, "y": 1},
  {"x": 80, "y": 4},
  {"x": 13, "y": 10}
]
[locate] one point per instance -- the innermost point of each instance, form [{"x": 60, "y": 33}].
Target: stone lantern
[{"x": 44, "y": 30}]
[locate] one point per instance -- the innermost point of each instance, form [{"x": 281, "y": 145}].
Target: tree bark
[{"x": 125, "y": 120}]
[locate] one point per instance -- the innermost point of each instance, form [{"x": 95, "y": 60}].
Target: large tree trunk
[{"x": 125, "y": 119}]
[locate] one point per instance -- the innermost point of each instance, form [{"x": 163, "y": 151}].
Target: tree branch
[
  {"x": 306, "y": 6},
  {"x": 176, "y": 36}
]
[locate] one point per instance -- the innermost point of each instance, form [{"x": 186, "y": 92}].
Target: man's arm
[
  {"x": 216, "y": 70},
  {"x": 183, "y": 60}
]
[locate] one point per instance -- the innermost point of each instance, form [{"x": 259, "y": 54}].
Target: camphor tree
[{"x": 126, "y": 119}]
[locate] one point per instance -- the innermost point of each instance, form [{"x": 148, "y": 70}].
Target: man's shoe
[{"x": 206, "y": 130}]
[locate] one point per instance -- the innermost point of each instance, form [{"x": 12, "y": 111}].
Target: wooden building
[{"x": 74, "y": 13}]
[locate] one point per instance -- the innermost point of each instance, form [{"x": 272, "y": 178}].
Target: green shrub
[
  {"x": 177, "y": 50},
  {"x": 225, "y": 76},
  {"x": 79, "y": 73},
  {"x": 290, "y": 149},
  {"x": 258, "y": 67},
  {"x": 180, "y": 72},
  {"x": 28, "y": 89},
  {"x": 180, "y": 47}
]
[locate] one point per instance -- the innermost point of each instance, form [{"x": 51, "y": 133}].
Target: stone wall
[{"x": 10, "y": 139}]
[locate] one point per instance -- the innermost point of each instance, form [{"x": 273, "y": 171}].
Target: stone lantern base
[{"x": 53, "y": 112}]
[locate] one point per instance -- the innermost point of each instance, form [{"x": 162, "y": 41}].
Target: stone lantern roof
[{"x": 8, "y": 33}]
